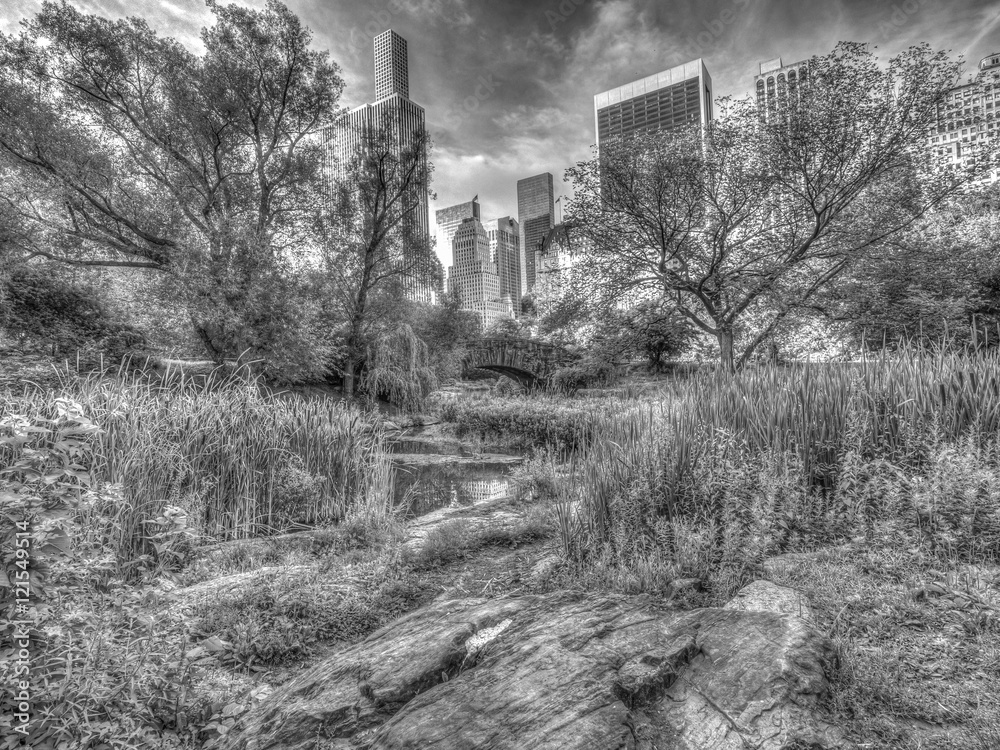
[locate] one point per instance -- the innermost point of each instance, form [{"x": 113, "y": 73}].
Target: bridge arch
[{"x": 531, "y": 363}]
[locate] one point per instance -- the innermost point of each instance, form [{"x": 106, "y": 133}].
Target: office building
[
  {"x": 474, "y": 275},
  {"x": 966, "y": 131},
  {"x": 774, "y": 81},
  {"x": 404, "y": 118},
  {"x": 536, "y": 216},
  {"x": 392, "y": 74},
  {"x": 661, "y": 102},
  {"x": 505, "y": 251},
  {"x": 449, "y": 219}
]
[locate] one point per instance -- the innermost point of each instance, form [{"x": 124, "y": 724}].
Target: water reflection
[{"x": 424, "y": 488}]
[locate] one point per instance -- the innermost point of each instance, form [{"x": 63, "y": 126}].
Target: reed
[
  {"x": 786, "y": 455},
  {"x": 219, "y": 449}
]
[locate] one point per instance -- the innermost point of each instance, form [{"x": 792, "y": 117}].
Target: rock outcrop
[{"x": 565, "y": 670}]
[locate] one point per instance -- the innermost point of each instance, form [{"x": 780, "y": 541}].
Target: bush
[
  {"x": 42, "y": 309},
  {"x": 587, "y": 373},
  {"x": 520, "y": 421}
]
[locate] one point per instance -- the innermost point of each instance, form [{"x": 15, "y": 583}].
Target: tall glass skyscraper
[
  {"x": 536, "y": 215},
  {"x": 404, "y": 118},
  {"x": 663, "y": 101}
]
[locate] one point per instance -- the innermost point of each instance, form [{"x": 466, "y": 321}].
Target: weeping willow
[{"x": 398, "y": 369}]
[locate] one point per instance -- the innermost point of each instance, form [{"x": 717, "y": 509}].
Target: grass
[
  {"x": 238, "y": 461},
  {"x": 916, "y": 670}
]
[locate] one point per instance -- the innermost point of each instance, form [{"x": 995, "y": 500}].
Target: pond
[{"x": 432, "y": 474}]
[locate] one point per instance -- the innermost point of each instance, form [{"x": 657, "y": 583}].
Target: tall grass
[
  {"x": 777, "y": 457},
  {"x": 220, "y": 449}
]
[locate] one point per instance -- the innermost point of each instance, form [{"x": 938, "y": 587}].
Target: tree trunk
[
  {"x": 349, "y": 378},
  {"x": 725, "y": 337}
]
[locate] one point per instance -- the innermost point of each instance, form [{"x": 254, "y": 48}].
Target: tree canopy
[
  {"x": 752, "y": 216},
  {"x": 122, "y": 148}
]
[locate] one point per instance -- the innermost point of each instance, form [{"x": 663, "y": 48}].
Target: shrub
[{"x": 45, "y": 310}]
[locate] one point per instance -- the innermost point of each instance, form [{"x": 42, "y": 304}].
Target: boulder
[
  {"x": 766, "y": 596},
  {"x": 566, "y": 670}
]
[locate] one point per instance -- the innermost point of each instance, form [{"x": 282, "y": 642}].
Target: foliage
[
  {"x": 126, "y": 150},
  {"x": 536, "y": 421},
  {"x": 780, "y": 459},
  {"x": 221, "y": 452},
  {"x": 591, "y": 370},
  {"x": 509, "y": 328},
  {"x": 652, "y": 330},
  {"x": 755, "y": 215},
  {"x": 397, "y": 369},
  {"x": 446, "y": 329},
  {"x": 100, "y": 668},
  {"x": 937, "y": 282},
  {"x": 373, "y": 253},
  {"x": 282, "y": 620},
  {"x": 43, "y": 308}
]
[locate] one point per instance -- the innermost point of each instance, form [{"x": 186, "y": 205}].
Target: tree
[
  {"x": 652, "y": 330},
  {"x": 446, "y": 329},
  {"x": 127, "y": 150},
  {"x": 939, "y": 280},
  {"x": 373, "y": 250},
  {"x": 755, "y": 215}
]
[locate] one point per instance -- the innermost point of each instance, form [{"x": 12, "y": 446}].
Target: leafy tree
[
  {"x": 938, "y": 280},
  {"x": 652, "y": 330},
  {"x": 398, "y": 369},
  {"x": 751, "y": 218},
  {"x": 41, "y": 308},
  {"x": 446, "y": 329},
  {"x": 372, "y": 250},
  {"x": 509, "y": 328},
  {"x": 125, "y": 149}
]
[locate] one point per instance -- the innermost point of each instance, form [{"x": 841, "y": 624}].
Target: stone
[
  {"x": 766, "y": 596},
  {"x": 546, "y": 567},
  {"x": 565, "y": 670}
]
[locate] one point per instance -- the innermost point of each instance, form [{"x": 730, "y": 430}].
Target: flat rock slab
[
  {"x": 765, "y": 596},
  {"x": 566, "y": 670}
]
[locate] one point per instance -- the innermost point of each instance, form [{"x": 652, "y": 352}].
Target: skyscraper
[
  {"x": 663, "y": 101},
  {"x": 505, "y": 251},
  {"x": 449, "y": 219},
  {"x": 475, "y": 276},
  {"x": 391, "y": 66},
  {"x": 536, "y": 215},
  {"x": 404, "y": 118}
]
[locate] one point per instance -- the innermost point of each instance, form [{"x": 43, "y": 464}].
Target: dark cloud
[{"x": 509, "y": 85}]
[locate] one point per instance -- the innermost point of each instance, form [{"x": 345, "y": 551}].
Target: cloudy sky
[{"x": 508, "y": 85}]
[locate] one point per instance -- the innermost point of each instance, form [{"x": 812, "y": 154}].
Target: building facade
[
  {"x": 474, "y": 275},
  {"x": 967, "y": 125},
  {"x": 505, "y": 250},
  {"x": 392, "y": 74},
  {"x": 774, "y": 81},
  {"x": 404, "y": 118},
  {"x": 554, "y": 264},
  {"x": 664, "y": 101},
  {"x": 449, "y": 219},
  {"x": 536, "y": 216}
]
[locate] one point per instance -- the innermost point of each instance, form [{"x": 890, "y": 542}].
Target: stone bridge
[{"x": 530, "y": 363}]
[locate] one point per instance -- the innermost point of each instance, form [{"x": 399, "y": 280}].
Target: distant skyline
[{"x": 508, "y": 87}]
